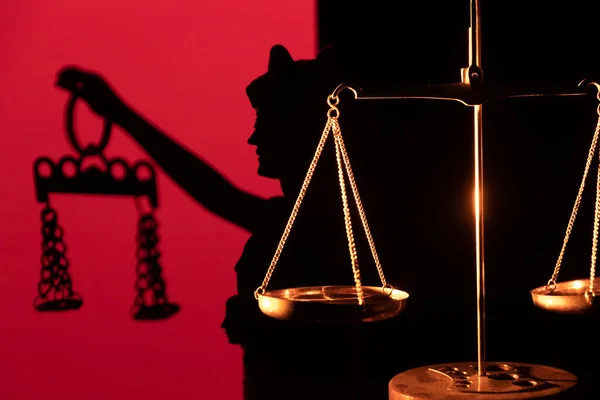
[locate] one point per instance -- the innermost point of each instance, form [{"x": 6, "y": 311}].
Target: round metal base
[{"x": 461, "y": 380}]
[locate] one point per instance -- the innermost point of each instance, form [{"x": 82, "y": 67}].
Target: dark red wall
[{"x": 184, "y": 64}]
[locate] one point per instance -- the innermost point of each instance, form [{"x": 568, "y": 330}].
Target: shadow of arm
[
  {"x": 196, "y": 177},
  {"x": 207, "y": 186}
]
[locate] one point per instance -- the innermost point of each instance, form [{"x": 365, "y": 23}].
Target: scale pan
[
  {"x": 336, "y": 304},
  {"x": 71, "y": 303},
  {"x": 568, "y": 297}
]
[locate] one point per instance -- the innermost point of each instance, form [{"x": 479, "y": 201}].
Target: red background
[{"x": 184, "y": 64}]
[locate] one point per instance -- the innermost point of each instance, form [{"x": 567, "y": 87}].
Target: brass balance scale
[
  {"x": 509, "y": 380},
  {"x": 113, "y": 177}
]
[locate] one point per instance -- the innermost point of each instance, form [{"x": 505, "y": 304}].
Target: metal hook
[
  {"x": 333, "y": 100},
  {"x": 341, "y": 87},
  {"x": 590, "y": 83}
]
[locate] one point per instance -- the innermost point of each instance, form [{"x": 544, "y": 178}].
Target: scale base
[{"x": 503, "y": 380}]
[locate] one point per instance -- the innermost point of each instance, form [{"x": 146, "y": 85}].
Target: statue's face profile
[{"x": 290, "y": 113}]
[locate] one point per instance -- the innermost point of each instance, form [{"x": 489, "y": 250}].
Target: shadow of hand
[{"x": 94, "y": 89}]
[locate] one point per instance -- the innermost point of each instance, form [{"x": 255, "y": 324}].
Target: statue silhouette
[{"x": 281, "y": 359}]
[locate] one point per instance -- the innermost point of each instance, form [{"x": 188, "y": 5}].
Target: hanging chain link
[
  {"x": 55, "y": 283},
  {"x": 149, "y": 285},
  {"x": 343, "y": 160},
  {"x": 590, "y": 292},
  {"x": 361, "y": 211},
  {"x": 292, "y": 218},
  {"x": 151, "y": 301},
  {"x": 347, "y": 218},
  {"x": 552, "y": 282}
]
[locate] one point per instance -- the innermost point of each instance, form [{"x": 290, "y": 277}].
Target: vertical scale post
[{"x": 475, "y": 78}]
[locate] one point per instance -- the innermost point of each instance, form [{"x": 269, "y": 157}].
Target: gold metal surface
[
  {"x": 333, "y": 304},
  {"x": 575, "y": 296},
  {"x": 570, "y": 297},
  {"x": 479, "y": 234},
  {"x": 461, "y": 380},
  {"x": 575, "y": 210}
]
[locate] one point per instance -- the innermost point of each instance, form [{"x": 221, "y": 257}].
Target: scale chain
[
  {"x": 347, "y": 218},
  {"x": 552, "y": 282},
  {"x": 311, "y": 169},
  {"x": 361, "y": 211},
  {"x": 343, "y": 160},
  {"x": 590, "y": 292}
]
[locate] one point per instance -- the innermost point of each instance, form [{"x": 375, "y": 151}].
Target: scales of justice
[
  {"x": 113, "y": 177},
  {"x": 358, "y": 303}
]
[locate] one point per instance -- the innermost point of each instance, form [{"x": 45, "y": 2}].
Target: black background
[{"x": 535, "y": 152}]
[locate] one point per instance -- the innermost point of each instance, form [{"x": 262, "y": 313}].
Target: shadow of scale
[{"x": 114, "y": 177}]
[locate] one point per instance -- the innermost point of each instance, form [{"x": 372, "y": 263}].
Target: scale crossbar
[{"x": 466, "y": 93}]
